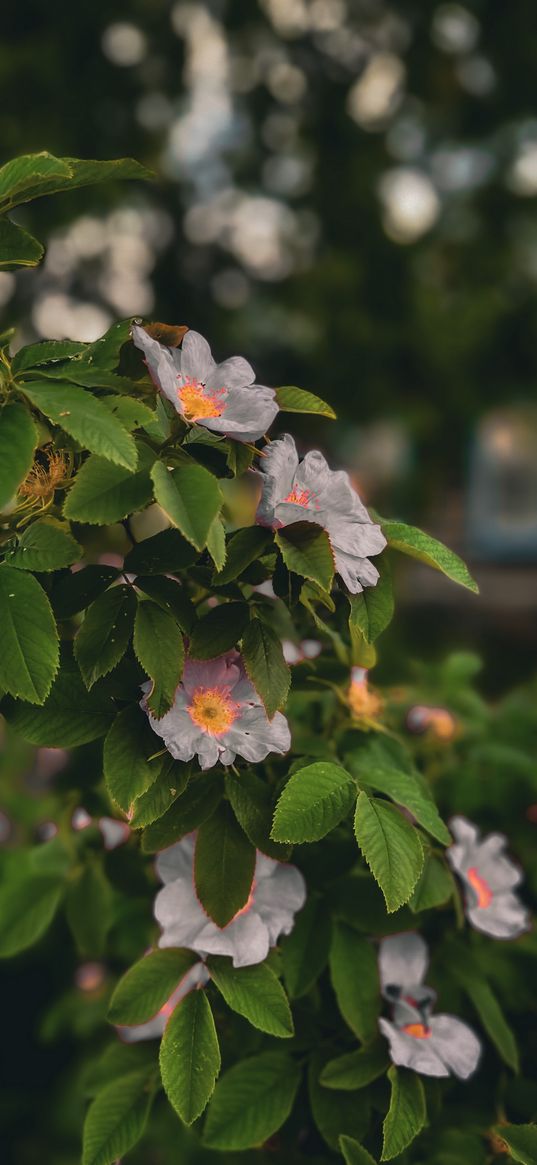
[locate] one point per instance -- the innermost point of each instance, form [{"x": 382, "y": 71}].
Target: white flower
[
  {"x": 217, "y": 715},
  {"x": 489, "y": 878},
  {"x": 221, "y": 397},
  {"x": 278, "y": 892},
  {"x": 435, "y": 1045},
  {"x": 309, "y": 491}
]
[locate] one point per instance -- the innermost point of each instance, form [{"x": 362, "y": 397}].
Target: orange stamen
[
  {"x": 417, "y": 1030},
  {"x": 299, "y": 497},
  {"x": 481, "y": 887},
  {"x": 362, "y": 701},
  {"x": 199, "y": 404},
  {"x": 212, "y": 710}
]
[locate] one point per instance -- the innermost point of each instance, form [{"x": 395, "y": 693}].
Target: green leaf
[
  {"x": 154, "y": 803},
  {"x": 435, "y": 886},
  {"x": 85, "y": 418},
  {"x": 353, "y": 1153},
  {"x": 89, "y": 909},
  {"x": 314, "y": 800},
  {"x": 147, "y": 986},
  {"x": 407, "y": 790},
  {"x": 105, "y": 633},
  {"x": 103, "y": 493},
  {"x": 171, "y": 596},
  {"x": 335, "y": 1113},
  {"x": 243, "y": 548},
  {"x": 69, "y": 716},
  {"x": 520, "y": 1140},
  {"x": 466, "y": 970},
  {"x": 164, "y": 552},
  {"x": 17, "y": 247},
  {"x": 18, "y": 439},
  {"x": 409, "y": 540},
  {"x": 355, "y": 1070},
  {"x": 30, "y": 653},
  {"x": 406, "y": 1115},
  {"x": 254, "y": 992},
  {"x": 190, "y": 497},
  {"x": 372, "y": 610},
  {"x": 128, "y": 769},
  {"x": 216, "y": 543},
  {"x": 265, "y": 664},
  {"x": 190, "y": 1056},
  {"x": 192, "y": 808},
  {"x": 297, "y": 400},
  {"x": 354, "y": 975},
  {"x": 44, "y": 546},
  {"x": 47, "y": 352},
  {"x": 74, "y": 592},
  {"x": 224, "y": 864},
  {"x": 306, "y": 550},
  {"x": 252, "y": 803},
  {"x": 218, "y": 630},
  {"x": 27, "y": 907},
  {"x": 391, "y": 847},
  {"x": 130, "y": 412},
  {"x": 159, "y": 648},
  {"x": 33, "y": 175},
  {"x": 116, "y": 1119},
  {"x": 251, "y": 1101},
  {"x": 305, "y": 950}
]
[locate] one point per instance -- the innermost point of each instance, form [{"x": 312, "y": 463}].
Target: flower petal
[
  {"x": 177, "y": 860},
  {"x": 164, "y": 364},
  {"x": 506, "y": 917},
  {"x": 247, "y": 415},
  {"x": 278, "y": 468},
  {"x": 180, "y": 915},
  {"x": 455, "y": 1044},
  {"x": 196, "y": 359},
  {"x": 253, "y": 735},
  {"x": 356, "y": 573},
  {"x": 278, "y": 898},
  {"x": 403, "y": 960},
  {"x": 233, "y": 373},
  {"x": 408, "y": 1052},
  {"x": 245, "y": 939}
]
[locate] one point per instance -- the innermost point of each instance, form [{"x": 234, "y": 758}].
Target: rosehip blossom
[
  {"x": 364, "y": 703},
  {"x": 278, "y": 892},
  {"x": 435, "y": 1045},
  {"x": 488, "y": 877},
  {"x": 217, "y": 715},
  {"x": 309, "y": 491},
  {"x": 221, "y": 397},
  {"x": 153, "y": 1028}
]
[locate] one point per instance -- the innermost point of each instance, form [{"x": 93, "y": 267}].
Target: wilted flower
[
  {"x": 435, "y": 1045},
  {"x": 363, "y": 702},
  {"x": 488, "y": 877},
  {"x": 217, "y": 715},
  {"x": 278, "y": 892},
  {"x": 309, "y": 491},
  {"x": 438, "y": 721},
  {"x": 153, "y": 1028},
  {"x": 222, "y": 397}
]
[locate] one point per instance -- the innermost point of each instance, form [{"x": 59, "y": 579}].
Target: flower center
[
  {"x": 197, "y": 403},
  {"x": 212, "y": 710},
  {"x": 299, "y": 497},
  {"x": 417, "y": 1030},
  {"x": 481, "y": 887},
  {"x": 362, "y": 701}
]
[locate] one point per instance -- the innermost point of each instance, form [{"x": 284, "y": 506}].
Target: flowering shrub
[{"x": 159, "y": 552}]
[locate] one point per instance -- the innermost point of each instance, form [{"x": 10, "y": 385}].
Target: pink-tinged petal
[
  {"x": 180, "y": 735},
  {"x": 196, "y": 359},
  {"x": 313, "y": 473},
  {"x": 403, "y": 960},
  {"x": 286, "y": 513},
  {"x": 278, "y": 898},
  {"x": 180, "y": 915},
  {"x": 164, "y": 364},
  {"x": 278, "y": 468},
  {"x": 455, "y": 1044},
  {"x": 408, "y": 1052},
  {"x": 505, "y": 918},
  {"x": 176, "y": 861},
  {"x": 245, "y": 940},
  {"x": 247, "y": 415},
  {"x": 223, "y": 672},
  {"x": 208, "y": 749},
  {"x": 356, "y": 573},
  {"x": 233, "y": 373},
  {"x": 253, "y": 735},
  {"x": 197, "y": 976}
]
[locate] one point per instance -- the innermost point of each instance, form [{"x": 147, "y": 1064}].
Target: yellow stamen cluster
[
  {"x": 46, "y": 476},
  {"x": 362, "y": 701},
  {"x": 198, "y": 404},
  {"x": 212, "y": 710}
]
